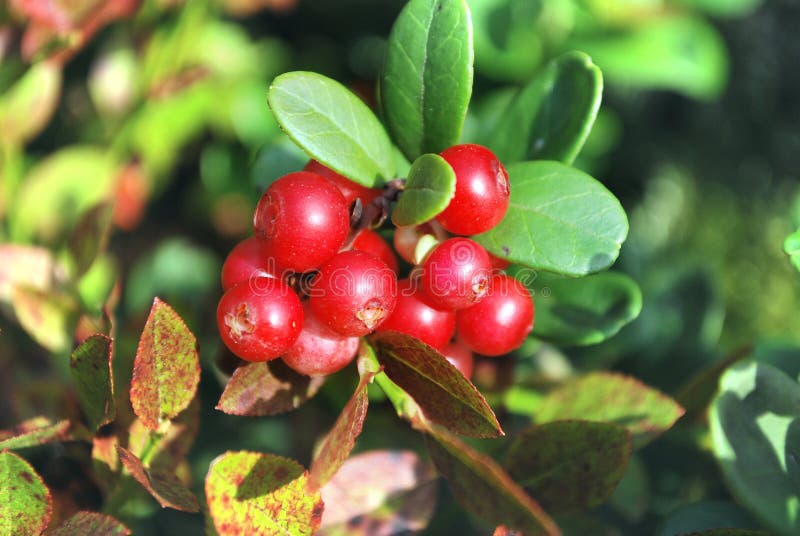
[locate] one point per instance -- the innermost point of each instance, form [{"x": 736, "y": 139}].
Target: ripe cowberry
[
  {"x": 246, "y": 260},
  {"x": 500, "y": 322},
  {"x": 353, "y": 293},
  {"x": 259, "y": 319},
  {"x": 456, "y": 274},
  {"x": 369, "y": 241},
  {"x": 319, "y": 351},
  {"x": 460, "y": 357},
  {"x": 482, "y": 190},
  {"x": 415, "y": 316},
  {"x": 303, "y": 220},
  {"x": 350, "y": 190}
]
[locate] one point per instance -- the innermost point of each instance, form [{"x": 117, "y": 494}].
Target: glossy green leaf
[
  {"x": 253, "y": 493},
  {"x": 166, "y": 370},
  {"x": 559, "y": 219},
  {"x": 161, "y": 484},
  {"x": 90, "y": 365},
  {"x": 570, "y": 466},
  {"x": 25, "y": 502},
  {"x": 430, "y": 186},
  {"x": 91, "y": 523},
  {"x": 90, "y": 236},
  {"x": 333, "y": 126},
  {"x": 755, "y": 430},
  {"x": 709, "y": 518},
  {"x": 792, "y": 248},
  {"x": 35, "y": 431},
  {"x": 614, "y": 398},
  {"x": 481, "y": 486},
  {"x": 26, "y": 108},
  {"x": 440, "y": 390},
  {"x": 551, "y": 117},
  {"x": 427, "y": 78}
]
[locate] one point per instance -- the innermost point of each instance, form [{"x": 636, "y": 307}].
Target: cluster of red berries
[{"x": 312, "y": 280}]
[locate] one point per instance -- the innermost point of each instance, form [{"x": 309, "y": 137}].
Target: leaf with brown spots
[
  {"x": 83, "y": 523},
  {"x": 614, "y": 398},
  {"x": 166, "y": 370},
  {"x": 174, "y": 440},
  {"x": 481, "y": 486},
  {"x": 270, "y": 388},
  {"x": 90, "y": 365},
  {"x": 438, "y": 388},
  {"x": 25, "y": 503},
  {"x": 90, "y": 236},
  {"x": 255, "y": 493},
  {"x": 570, "y": 466},
  {"x": 36, "y": 431},
  {"x": 380, "y": 492},
  {"x": 342, "y": 438},
  {"x": 164, "y": 486}
]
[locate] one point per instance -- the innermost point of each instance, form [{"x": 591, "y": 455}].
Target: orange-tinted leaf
[
  {"x": 32, "y": 432},
  {"x": 90, "y": 365},
  {"x": 164, "y": 486},
  {"x": 166, "y": 370},
  {"x": 254, "y": 493},
  {"x": 259, "y": 389},
  {"x": 90, "y": 236},
  {"x": 96, "y": 524},
  {"x": 440, "y": 390},
  {"x": 481, "y": 486},
  {"x": 27, "y": 266},
  {"x": 175, "y": 437},
  {"x": 25, "y": 503},
  {"x": 48, "y": 317}
]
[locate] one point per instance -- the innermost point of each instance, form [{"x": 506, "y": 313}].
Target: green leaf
[
  {"x": 427, "y": 77},
  {"x": 166, "y": 370},
  {"x": 551, "y": 117},
  {"x": 559, "y": 219},
  {"x": 614, "y": 398},
  {"x": 35, "y": 431},
  {"x": 90, "y": 365},
  {"x": 253, "y": 493},
  {"x": 91, "y": 523},
  {"x": 430, "y": 186},
  {"x": 698, "y": 392},
  {"x": 48, "y": 317},
  {"x": 723, "y": 8},
  {"x": 161, "y": 484},
  {"x": 169, "y": 446},
  {"x": 270, "y": 388},
  {"x": 709, "y": 517},
  {"x": 755, "y": 431},
  {"x": 333, "y": 126},
  {"x": 26, "y": 108},
  {"x": 582, "y": 311},
  {"x": 791, "y": 246},
  {"x": 90, "y": 236},
  {"x": 25, "y": 503},
  {"x": 481, "y": 486},
  {"x": 440, "y": 390},
  {"x": 570, "y": 466}
]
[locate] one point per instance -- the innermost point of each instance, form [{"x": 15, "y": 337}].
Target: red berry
[
  {"x": 353, "y": 293},
  {"x": 350, "y": 190},
  {"x": 482, "y": 190},
  {"x": 501, "y": 321},
  {"x": 406, "y": 238},
  {"x": 456, "y": 274},
  {"x": 460, "y": 357},
  {"x": 246, "y": 260},
  {"x": 369, "y": 241},
  {"x": 319, "y": 351},
  {"x": 303, "y": 220},
  {"x": 259, "y": 319},
  {"x": 414, "y": 316}
]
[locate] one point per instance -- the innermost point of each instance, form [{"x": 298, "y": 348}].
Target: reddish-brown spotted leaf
[
  {"x": 260, "y": 389},
  {"x": 84, "y": 523},
  {"x": 32, "y": 432},
  {"x": 481, "y": 486},
  {"x": 379, "y": 492},
  {"x": 570, "y": 466},
  {"x": 25, "y": 503},
  {"x": 90, "y": 365},
  {"x": 174, "y": 440},
  {"x": 438, "y": 388},
  {"x": 254, "y": 493},
  {"x": 166, "y": 370},
  {"x": 163, "y": 485},
  {"x": 614, "y": 398},
  {"x": 342, "y": 438},
  {"x": 90, "y": 236}
]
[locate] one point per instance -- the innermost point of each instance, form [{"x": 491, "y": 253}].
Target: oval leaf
[
  {"x": 36, "y": 431},
  {"x": 25, "y": 502},
  {"x": 90, "y": 365},
  {"x": 755, "y": 430},
  {"x": 440, "y": 390},
  {"x": 91, "y": 523},
  {"x": 162, "y": 485},
  {"x": 430, "y": 186},
  {"x": 90, "y": 236},
  {"x": 333, "y": 126},
  {"x": 26, "y": 266},
  {"x": 481, "y": 486},
  {"x": 570, "y": 465},
  {"x": 166, "y": 370},
  {"x": 253, "y": 493},
  {"x": 26, "y": 108},
  {"x": 559, "y": 219},
  {"x": 427, "y": 79},
  {"x": 551, "y": 117},
  {"x": 47, "y": 316},
  {"x": 613, "y": 398}
]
